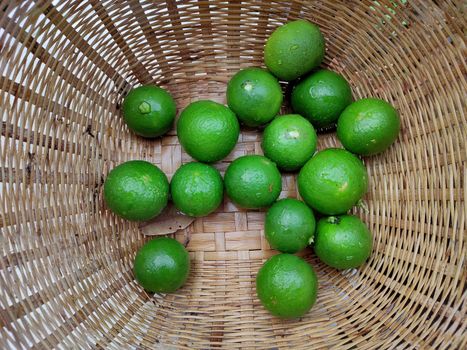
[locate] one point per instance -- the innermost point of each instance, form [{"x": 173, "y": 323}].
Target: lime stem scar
[{"x": 144, "y": 107}]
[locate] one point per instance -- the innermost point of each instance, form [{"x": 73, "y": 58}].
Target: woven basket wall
[{"x": 66, "y": 262}]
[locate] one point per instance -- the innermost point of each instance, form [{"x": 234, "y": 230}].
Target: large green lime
[
  {"x": 149, "y": 111},
  {"x": 162, "y": 265},
  {"x": 321, "y": 97},
  {"x": 368, "y": 126},
  {"x": 333, "y": 181},
  {"x": 197, "y": 189},
  {"x": 207, "y": 130},
  {"x": 287, "y": 286},
  {"x": 289, "y": 141},
  {"x": 136, "y": 190},
  {"x": 294, "y": 49},
  {"x": 254, "y": 95},
  {"x": 289, "y": 226},
  {"x": 253, "y": 181},
  {"x": 342, "y": 242}
]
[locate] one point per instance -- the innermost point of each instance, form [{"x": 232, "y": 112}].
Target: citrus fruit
[
  {"x": 289, "y": 141},
  {"x": 332, "y": 181},
  {"x": 321, "y": 97},
  {"x": 136, "y": 190},
  {"x": 197, "y": 189},
  {"x": 162, "y": 265},
  {"x": 289, "y": 225},
  {"x": 342, "y": 242},
  {"x": 368, "y": 126},
  {"x": 253, "y": 181},
  {"x": 294, "y": 49},
  {"x": 254, "y": 95},
  {"x": 149, "y": 111},
  {"x": 287, "y": 286},
  {"x": 207, "y": 130}
]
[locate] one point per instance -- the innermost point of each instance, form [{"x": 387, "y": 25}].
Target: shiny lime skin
[
  {"x": 343, "y": 242},
  {"x": 136, "y": 190},
  {"x": 289, "y": 226},
  {"x": 321, "y": 97},
  {"x": 287, "y": 286},
  {"x": 333, "y": 181},
  {"x": 254, "y": 95},
  {"x": 289, "y": 141},
  {"x": 149, "y": 111},
  {"x": 368, "y": 126},
  {"x": 294, "y": 49},
  {"x": 197, "y": 189},
  {"x": 253, "y": 182},
  {"x": 207, "y": 130},
  {"x": 162, "y": 265}
]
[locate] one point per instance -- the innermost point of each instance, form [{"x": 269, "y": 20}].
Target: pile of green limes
[{"x": 330, "y": 181}]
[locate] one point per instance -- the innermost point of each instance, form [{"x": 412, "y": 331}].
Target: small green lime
[
  {"x": 342, "y": 242},
  {"x": 368, "y": 126},
  {"x": 289, "y": 141},
  {"x": 321, "y": 97},
  {"x": 149, "y": 111},
  {"x": 333, "y": 181},
  {"x": 253, "y": 181},
  {"x": 294, "y": 49},
  {"x": 287, "y": 286},
  {"x": 289, "y": 225},
  {"x": 136, "y": 190},
  {"x": 207, "y": 130},
  {"x": 197, "y": 189},
  {"x": 254, "y": 95},
  {"x": 162, "y": 265}
]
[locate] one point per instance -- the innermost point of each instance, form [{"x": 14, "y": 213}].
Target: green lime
[
  {"x": 289, "y": 141},
  {"x": 253, "y": 182},
  {"x": 368, "y": 126},
  {"x": 197, "y": 189},
  {"x": 136, "y": 190},
  {"x": 343, "y": 242},
  {"x": 254, "y": 95},
  {"x": 289, "y": 225},
  {"x": 333, "y": 181},
  {"x": 162, "y": 265},
  {"x": 287, "y": 286},
  {"x": 294, "y": 49},
  {"x": 207, "y": 130},
  {"x": 321, "y": 97},
  {"x": 149, "y": 111}
]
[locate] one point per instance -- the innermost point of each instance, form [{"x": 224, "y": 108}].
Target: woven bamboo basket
[{"x": 66, "y": 261}]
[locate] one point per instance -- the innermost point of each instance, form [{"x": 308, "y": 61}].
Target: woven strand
[{"x": 66, "y": 262}]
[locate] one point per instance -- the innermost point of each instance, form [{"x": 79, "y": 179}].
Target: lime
[
  {"x": 149, "y": 111},
  {"x": 294, "y": 49},
  {"x": 253, "y": 181},
  {"x": 197, "y": 189},
  {"x": 321, "y": 97},
  {"x": 162, "y": 265},
  {"x": 136, "y": 190},
  {"x": 332, "y": 181},
  {"x": 289, "y": 225},
  {"x": 254, "y": 95},
  {"x": 368, "y": 126},
  {"x": 207, "y": 130},
  {"x": 342, "y": 242},
  {"x": 287, "y": 286},
  {"x": 289, "y": 141}
]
